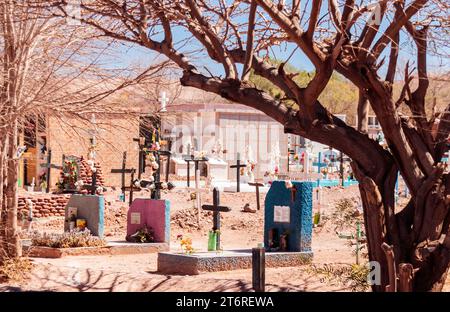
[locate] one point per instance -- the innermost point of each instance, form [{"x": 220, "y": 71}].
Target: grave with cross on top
[
  {"x": 198, "y": 191},
  {"x": 48, "y": 165},
  {"x": 319, "y": 163},
  {"x": 238, "y": 167},
  {"x": 216, "y": 209},
  {"x": 123, "y": 171}
]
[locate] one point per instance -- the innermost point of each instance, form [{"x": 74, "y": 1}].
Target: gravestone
[
  {"x": 288, "y": 217},
  {"x": 152, "y": 213},
  {"x": 88, "y": 207}
]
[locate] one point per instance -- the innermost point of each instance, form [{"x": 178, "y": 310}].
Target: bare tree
[
  {"x": 335, "y": 36},
  {"x": 52, "y": 68}
]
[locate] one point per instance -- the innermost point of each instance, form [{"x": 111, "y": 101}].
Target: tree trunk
[
  {"x": 418, "y": 245},
  {"x": 3, "y": 213},
  {"x": 14, "y": 248}
]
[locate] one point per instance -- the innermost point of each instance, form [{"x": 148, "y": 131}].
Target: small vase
[
  {"x": 316, "y": 218},
  {"x": 212, "y": 241}
]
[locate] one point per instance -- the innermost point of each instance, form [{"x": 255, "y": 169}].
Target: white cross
[
  {"x": 198, "y": 191},
  {"x": 163, "y": 101}
]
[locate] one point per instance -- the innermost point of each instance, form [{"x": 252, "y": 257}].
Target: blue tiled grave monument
[
  {"x": 88, "y": 207},
  {"x": 288, "y": 217}
]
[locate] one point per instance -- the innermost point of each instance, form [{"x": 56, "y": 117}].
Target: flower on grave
[
  {"x": 154, "y": 165},
  {"x": 186, "y": 244},
  {"x": 151, "y": 158},
  {"x": 296, "y": 157},
  {"x": 199, "y": 154},
  {"x": 79, "y": 183}
]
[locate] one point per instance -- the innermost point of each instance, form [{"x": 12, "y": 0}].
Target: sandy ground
[{"x": 239, "y": 230}]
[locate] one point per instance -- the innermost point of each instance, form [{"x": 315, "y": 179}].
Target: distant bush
[{"x": 71, "y": 239}]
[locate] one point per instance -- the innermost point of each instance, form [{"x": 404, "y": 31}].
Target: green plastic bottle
[{"x": 212, "y": 241}]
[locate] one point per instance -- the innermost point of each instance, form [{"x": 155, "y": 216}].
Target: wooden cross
[
  {"x": 49, "y": 166},
  {"x": 132, "y": 188},
  {"x": 93, "y": 186},
  {"x": 123, "y": 171},
  {"x": 196, "y": 162},
  {"x": 168, "y": 155},
  {"x": 198, "y": 192},
  {"x": 216, "y": 209},
  {"x": 141, "y": 142},
  {"x": 238, "y": 167},
  {"x": 257, "y": 185}
]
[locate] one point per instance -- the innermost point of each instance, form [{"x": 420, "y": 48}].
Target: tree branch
[{"x": 249, "y": 47}]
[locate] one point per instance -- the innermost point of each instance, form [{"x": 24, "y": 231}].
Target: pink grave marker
[{"x": 153, "y": 213}]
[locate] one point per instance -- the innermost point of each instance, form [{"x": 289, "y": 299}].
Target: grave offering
[
  {"x": 89, "y": 208},
  {"x": 151, "y": 214},
  {"x": 288, "y": 217},
  {"x": 77, "y": 172}
]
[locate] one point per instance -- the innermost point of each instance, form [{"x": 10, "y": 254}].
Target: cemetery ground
[{"x": 240, "y": 230}]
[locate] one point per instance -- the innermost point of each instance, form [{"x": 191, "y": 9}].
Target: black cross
[
  {"x": 257, "y": 185},
  {"x": 196, "y": 161},
  {"x": 156, "y": 192},
  {"x": 216, "y": 209},
  {"x": 49, "y": 166},
  {"x": 123, "y": 171},
  {"x": 132, "y": 188},
  {"x": 238, "y": 167}
]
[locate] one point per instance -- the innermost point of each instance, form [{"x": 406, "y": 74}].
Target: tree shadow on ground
[{"x": 71, "y": 279}]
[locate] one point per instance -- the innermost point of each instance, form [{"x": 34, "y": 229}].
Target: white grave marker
[
  {"x": 135, "y": 218},
  {"x": 282, "y": 214}
]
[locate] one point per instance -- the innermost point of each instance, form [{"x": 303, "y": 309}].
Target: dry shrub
[
  {"x": 353, "y": 276},
  {"x": 67, "y": 240},
  {"x": 15, "y": 269},
  {"x": 346, "y": 214}
]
